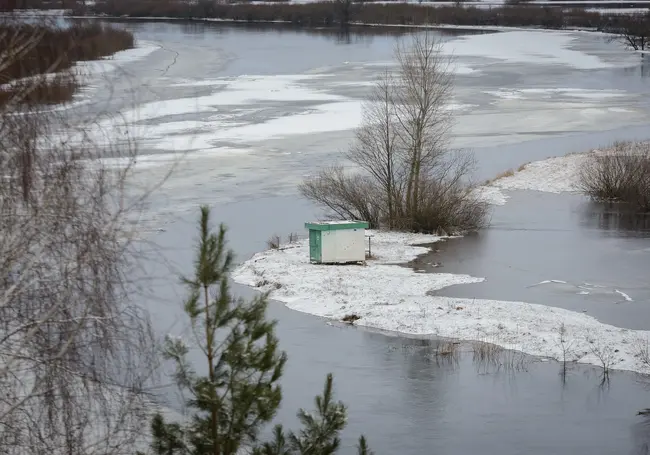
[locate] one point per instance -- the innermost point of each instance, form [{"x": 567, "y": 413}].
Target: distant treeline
[{"x": 331, "y": 13}]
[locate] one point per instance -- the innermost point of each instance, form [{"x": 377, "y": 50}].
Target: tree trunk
[{"x": 214, "y": 424}]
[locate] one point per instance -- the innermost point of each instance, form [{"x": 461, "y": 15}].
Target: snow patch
[
  {"x": 626, "y": 297},
  {"x": 516, "y": 94},
  {"x": 491, "y": 195},
  {"x": 395, "y": 298},
  {"x": 554, "y": 175}
]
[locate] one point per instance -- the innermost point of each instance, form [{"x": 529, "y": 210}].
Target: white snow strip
[
  {"x": 334, "y": 114},
  {"x": 525, "y": 47},
  {"x": 324, "y": 118},
  {"x": 625, "y": 296},
  {"x": 550, "y": 281},
  {"x": 395, "y": 298},
  {"x": 515, "y": 94}
]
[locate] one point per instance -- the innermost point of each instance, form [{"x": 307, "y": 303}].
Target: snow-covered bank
[
  {"x": 553, "y": 175},
  {"x": 394, "y": 298}
]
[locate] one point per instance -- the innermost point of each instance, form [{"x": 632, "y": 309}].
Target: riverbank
[{"x": 48, "y": 58}]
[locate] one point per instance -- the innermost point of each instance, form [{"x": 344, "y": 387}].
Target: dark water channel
[
  {"x": 558, "y": 250},
  {"x": 402, "y": 396}
]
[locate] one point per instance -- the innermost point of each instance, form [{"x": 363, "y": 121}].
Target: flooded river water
[{"x": 260, "y": 108}]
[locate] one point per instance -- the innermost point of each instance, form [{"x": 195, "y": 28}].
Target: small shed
[{"x": 337, "y": 242}]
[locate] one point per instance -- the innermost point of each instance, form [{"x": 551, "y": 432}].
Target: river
[{"x": 261, "y": 107}]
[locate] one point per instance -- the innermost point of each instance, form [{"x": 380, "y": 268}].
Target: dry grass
[
  {"x": 448, "y": 349},
  {"x": 499, "y": 176},
  {"x": 491, "y": 358},
  {"x": 522, "y": 167}
]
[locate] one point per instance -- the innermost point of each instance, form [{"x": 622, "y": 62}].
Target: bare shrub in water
[
  {"x": 408, "y": 177},
  {"x": 621, "y": 174},
  {"x": 567, "y": 347},
  {"x": 605, "y": 354}
]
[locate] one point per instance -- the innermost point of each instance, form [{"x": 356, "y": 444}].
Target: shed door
[{"x": 314, "y": 246}]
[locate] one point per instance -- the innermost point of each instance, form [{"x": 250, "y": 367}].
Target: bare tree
[
  {"x": 605, "y": 355},
  {"x": 422, "y": 103},
  {"x": 410, "y": 178},
  {"x": 76, "y": 351},
  {"x": 376, "y": 147},
  {"x": 568, "y": 348},
  {"x": 344, "y": 11},
  {"x": 633, "y": 30}
]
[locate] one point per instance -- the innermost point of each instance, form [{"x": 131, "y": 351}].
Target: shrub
[{"x": 621, "y": 174}]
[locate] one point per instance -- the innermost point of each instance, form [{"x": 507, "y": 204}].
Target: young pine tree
[{"x": 240, "y": 393}]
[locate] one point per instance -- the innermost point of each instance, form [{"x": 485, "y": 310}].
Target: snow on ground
[
  {"x": 390, "y": 297},
  {"x": 554, "y": 175},
  {"x": 617, "y": 10}
]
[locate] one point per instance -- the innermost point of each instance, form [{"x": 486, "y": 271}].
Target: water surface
[{"x": 398, "y": 391}]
